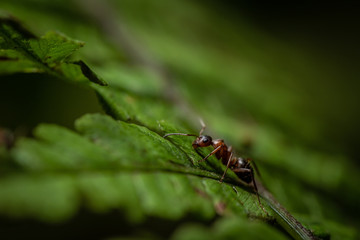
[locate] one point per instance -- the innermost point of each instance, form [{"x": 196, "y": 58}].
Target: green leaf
[
  {"x": 117, "y": 170},
  {"x": 231, "y": 228},
  {"x": 53, "y": 48},
  {"x": 21, "y": 51},
  {"x": 46, "y": 197},
  {"x": 115, "y": 165},
  {"x": 114, "y": 147}
]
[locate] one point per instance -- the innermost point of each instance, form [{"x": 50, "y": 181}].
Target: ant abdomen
[{"x": 245, "y": 176}]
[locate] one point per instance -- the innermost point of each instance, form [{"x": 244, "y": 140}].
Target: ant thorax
[
  {"x": 241, "y": 163},
  {"x": 217, "y": 142}
]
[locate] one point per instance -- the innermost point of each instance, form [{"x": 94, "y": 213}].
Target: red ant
[{"x": 240, "y": 166}]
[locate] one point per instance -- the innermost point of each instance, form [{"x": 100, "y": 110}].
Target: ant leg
[
  {"x": 212, "y": 153},
  {"x": 257, "y": 193},
  {"x": 203, "y": 126},
  {"x": 241, "y": 170},
  {"x": 255, "y": 166},
  {"x": 227, "y": 166},
  {"x": 247, "y": 170}
]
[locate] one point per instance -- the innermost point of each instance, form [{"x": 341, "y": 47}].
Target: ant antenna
[
  {"x": 203, "y": 126},
  {"x": 183, "y": 134}
]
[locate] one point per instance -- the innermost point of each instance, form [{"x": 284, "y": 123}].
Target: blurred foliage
[{"x": 279, "y": 103}]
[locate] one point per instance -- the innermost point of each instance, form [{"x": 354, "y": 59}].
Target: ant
[{"x": 240, "y": 166}]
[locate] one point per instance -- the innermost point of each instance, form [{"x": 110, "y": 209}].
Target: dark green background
[{"x": 281, "y": 76}]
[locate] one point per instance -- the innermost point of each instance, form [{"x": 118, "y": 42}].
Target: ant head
[{"x": 202, "y": 141}]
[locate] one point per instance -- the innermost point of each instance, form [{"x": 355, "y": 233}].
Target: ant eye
[{"x": 206, "y": 139}]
